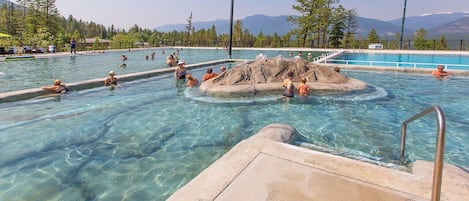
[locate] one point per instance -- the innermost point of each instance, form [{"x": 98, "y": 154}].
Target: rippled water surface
[
  {"x": 149, "y": 137},
  {"x": 26, "y": 74}
]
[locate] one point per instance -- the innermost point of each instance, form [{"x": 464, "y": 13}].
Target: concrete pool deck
[{"x": 266, "y": 167}]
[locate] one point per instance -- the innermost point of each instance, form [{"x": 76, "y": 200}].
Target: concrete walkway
[{"x": 265, "y": 167}]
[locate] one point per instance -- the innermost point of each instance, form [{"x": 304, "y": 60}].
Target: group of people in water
[
  {"x": 289, "y": 87},
  {"x": 181, "y": 72}
]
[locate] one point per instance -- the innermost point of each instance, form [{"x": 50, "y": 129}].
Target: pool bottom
[{"x": 151, "y": 136}]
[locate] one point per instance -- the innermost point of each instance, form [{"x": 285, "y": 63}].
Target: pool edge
[{"x": 228, "y": 177}]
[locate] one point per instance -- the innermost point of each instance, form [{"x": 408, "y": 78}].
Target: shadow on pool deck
[{"x": 264, "y": 167}]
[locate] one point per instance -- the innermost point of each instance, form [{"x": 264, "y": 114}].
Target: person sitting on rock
[{"x": 209, "y": 75}]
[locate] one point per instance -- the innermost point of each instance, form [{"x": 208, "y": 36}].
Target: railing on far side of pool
[
  {"x": 325, "y": 56},
  {"x": 392, "y": 63}
]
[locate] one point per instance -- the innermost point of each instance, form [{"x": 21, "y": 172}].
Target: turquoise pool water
[
  {"x": 453, "y": 62},
  {"x": 148, "y": 138},
  {"x": 18, "y": 75}
]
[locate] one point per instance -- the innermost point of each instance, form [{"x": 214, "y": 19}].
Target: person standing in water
[
  {"x": 439, "y": 72},
  {"x": 303, "y": 88},
  {"x": 180, "y": 71},
  {"x": 111, "y": 80},
  {"x": 73, "y": 46},
  {"x": 288, "y": 85}
]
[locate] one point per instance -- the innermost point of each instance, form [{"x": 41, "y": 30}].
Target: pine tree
[
  {"x": 420, "y": 42},
  {"x": 338, "y": 27},
  {"x": 373, "y": 36}
]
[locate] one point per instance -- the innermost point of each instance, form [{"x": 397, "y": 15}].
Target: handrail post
[{"x": 440, "y": 146}]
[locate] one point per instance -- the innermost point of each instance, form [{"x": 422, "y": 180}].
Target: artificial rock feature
[{"x": 267, "y": 74}]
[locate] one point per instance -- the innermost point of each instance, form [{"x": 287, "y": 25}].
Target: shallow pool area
[
  {"x": 149, "y": 137},
  {"x": 26, "y": 74}
]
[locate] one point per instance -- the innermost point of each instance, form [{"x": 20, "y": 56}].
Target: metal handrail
[{"x": 440, "y": 146}]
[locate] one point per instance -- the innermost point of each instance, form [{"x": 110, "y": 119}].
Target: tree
[
  {"x": 441, "y": 43},
  {"x": 275, "y": 40},
  {"x": 373, "y": 36},
  {"x": 349, "y": 41},
  {"x": 338, "y": 27},
  {"x": 420, "y": 42},
  {"x": 260, "y": 40},
  {"x": 238, "y": 32},
  {"x": 188, "y": 27},
  {"x": 351, "y": 25},
  {"x": 314, "y": 21}
]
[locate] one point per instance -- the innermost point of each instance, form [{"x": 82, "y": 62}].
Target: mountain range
[{"x": 452, "y": 25}]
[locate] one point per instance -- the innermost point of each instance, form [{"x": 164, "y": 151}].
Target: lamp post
[
  {"x": 231, "y": 29},
  {"x": 402, "y": 25}
]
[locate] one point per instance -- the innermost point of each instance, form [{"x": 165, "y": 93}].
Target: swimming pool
[
  {"x": 28, "y": 74},
  {"x": 148, "y": 138},
  {"x": 403, "y": 60}
]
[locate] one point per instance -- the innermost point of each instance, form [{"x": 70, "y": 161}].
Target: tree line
[{"x": 321, "y": 24}]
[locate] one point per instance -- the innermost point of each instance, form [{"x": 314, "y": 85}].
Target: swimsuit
[
  {"x": 286, "y": 91},
  {"x": 181, "y": 74},
  {"x": 62, "y": 89},
  {"x": 110, "y": 82}
]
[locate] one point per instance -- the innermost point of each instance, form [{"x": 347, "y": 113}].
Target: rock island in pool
[{"x": 265, "y": 75}]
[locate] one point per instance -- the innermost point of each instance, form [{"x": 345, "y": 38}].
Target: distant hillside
[
  {"x": 280, "y": 25},
  {"x": 384, "y": 29},
  {"x": 255, "y": 24},
  {"x": 429, "y": 21},
  {"x": 270, "y": 25},
  {"x": 456, "y": 27},
  {"x": 219, "y": 25}
]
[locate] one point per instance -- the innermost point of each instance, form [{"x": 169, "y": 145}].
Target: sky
[{"x": 152, "y": 13}]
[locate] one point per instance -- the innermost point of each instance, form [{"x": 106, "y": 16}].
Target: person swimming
[
  {"x": 439, "y": 72},
  {"x": 58, "y": 87}
]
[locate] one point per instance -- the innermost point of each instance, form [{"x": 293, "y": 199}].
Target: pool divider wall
[
  {"x": 98, "y": 82},
  {"x": 427, "y": 71}
]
